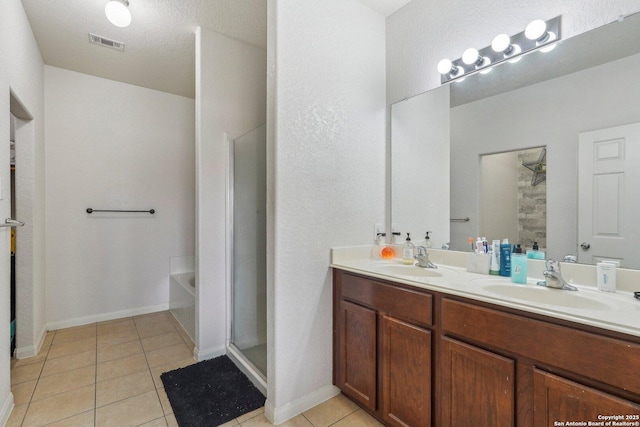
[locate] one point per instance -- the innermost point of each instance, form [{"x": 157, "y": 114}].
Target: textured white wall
[
  {"x": 425, "y": 31},
  {"x": 326, "y": 179},
  {"x": 111, "y": 145},
  {"x": 21, "y": 73},
  {"x": 230, "y": 98}
]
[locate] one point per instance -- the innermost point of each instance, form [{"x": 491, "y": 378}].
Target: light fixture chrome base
[{"x": 526, "y": 45}]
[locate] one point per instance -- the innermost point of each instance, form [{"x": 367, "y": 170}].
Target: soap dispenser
[
  {"x": 427, "y": 243},
  {"x": 518, "y": 266},
  {"x": 407, "y": 251}
]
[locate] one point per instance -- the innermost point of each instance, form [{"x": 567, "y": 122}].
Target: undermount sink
[
  {"x": 541, "y": 294},
  {"x": 407, "y": 270}
]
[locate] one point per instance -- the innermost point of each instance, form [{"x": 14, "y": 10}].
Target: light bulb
[
  {"x": 445, "y": 66},
  {"x": 118, "y": 13},
  {"x": 501, "y": 42},
  {"x": 536, "y": 30},
  {"x": 470, "y": 56}
]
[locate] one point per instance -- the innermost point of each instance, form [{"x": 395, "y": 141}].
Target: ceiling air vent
[{"x": 106, "y": 42}]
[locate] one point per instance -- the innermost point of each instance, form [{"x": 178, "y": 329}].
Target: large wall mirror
[{"x": 580, "y": 102}]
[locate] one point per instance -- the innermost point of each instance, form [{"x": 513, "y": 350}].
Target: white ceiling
[{"x": 160, "y": 42}]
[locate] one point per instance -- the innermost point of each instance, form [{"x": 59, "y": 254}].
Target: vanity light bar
[{"x": 539, "y": 34}]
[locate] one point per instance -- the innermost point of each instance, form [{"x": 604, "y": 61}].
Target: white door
[{"x": 608, "y": 195}]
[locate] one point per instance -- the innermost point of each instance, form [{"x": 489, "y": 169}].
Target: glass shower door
[{"x": 249, "y": 325}]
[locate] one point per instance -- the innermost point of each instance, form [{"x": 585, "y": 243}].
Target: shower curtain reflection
[{"x": 249, "y": 325}]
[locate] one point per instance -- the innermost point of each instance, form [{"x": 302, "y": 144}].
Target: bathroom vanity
[{"x": 416, "y": 350}]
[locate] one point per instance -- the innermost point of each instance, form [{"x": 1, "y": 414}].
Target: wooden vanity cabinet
[
  {"x": 382, "y": 348},
  {"x": 476, "y": 385},
  {"x": 418, "y": 358}
]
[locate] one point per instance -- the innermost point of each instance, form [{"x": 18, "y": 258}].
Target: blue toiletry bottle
[
  {"x": 518, "y": 266},
  {"x": 505, "y": 258},
  {"x": 535, "y": 253}
]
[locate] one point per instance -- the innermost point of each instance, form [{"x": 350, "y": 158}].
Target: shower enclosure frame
[{"x": 235, "y": 353}]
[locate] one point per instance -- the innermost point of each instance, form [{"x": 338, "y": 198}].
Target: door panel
[{"x": 608, "y": 179}]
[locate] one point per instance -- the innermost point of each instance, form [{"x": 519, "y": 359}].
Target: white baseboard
[
  {"x": 247, "y": 369},
  {"x": 32, "y": 350},
  {"x": 298, "y": 406},
  {"x": 7, "y": 407},
  {"x": 79, "y": 321},
  {"x": 209, "y": 353}
]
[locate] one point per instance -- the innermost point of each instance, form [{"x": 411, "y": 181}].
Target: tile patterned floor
[{"x": 108, "y": 374}]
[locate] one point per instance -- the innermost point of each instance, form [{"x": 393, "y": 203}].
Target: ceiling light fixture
[
  {"x": 539, "y": 34},
  {"x": 445, "y": 66},
  {"x": 118, "y": 13}
]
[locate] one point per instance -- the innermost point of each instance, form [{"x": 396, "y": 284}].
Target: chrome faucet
[
  {"x": 423, "y": 258},
  {"x": 553, "y": 277}
]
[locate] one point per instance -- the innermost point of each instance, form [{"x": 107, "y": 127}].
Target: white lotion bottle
[{"x": 606, "y": 276}]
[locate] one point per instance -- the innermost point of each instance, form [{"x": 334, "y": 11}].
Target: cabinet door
[
  {"x": 558, "y": 400},
  {"x": 406, "y": 374},
  {"x": 478, "y": 387},
  {"x": 356, "y": 357}
]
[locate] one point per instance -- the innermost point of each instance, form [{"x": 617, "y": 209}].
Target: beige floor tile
[
  {"x": 158, "y": 422},
  {"x": 119, "y": 367},
  {"x": 72, "y": 347},
  {"x": 60, "y": 406},
  {"x": 114, "y": 338},
  {"x": 17, "y": 415},
  {"x": 157, "y": 342},
  {"x": 249, "y": 415},
  {"x": 164, "y": 401},
  {"x": 112, "y": 326},
  {"x": 359, "y": 418},
  {"x": 171, "y": 420},
  {"x": 65, "y": 381},
  {"x": 74, "y": 334},
  {"x": 68, "y": 363},
  {"x": 149, "y": 328},
  {"x": 331, "y": 411},
  {"x": 26, "y": 373},
  {"x": 159, "y": 370},
  {"x": 230, "y": 423},
  {"x": 40, "y": 357},
  {"x": 22, "y": 392},
  {"x": 262, "y": 420},
  {"x": 130, "y": 412},
  {"x": 48, "y": 338},
  {"x": 168, "y": 355},
  {"x": 85, "y": 419},
  {"x": 121, "y": 388},
  {"x": 118, "y": 351}
]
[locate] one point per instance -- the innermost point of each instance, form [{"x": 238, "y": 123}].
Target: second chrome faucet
[{"x": 423, "y": 258}]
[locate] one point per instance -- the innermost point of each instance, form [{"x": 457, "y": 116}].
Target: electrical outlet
[{"x": 377, "y": 228}]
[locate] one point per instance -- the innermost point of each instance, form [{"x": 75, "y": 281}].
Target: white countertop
[{"x": 618, "y": 311}]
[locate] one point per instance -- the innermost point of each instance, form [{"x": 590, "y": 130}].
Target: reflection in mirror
[
  {"x": 588, "y": 83},
  {"x": 513, "y": 192},
  {"x": 420, "y": 167}
]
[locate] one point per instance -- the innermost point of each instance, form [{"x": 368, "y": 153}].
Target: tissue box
[{"x": 478, "y": 263}]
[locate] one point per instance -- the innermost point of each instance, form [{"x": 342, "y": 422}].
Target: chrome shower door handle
[{"x": 12, "y": 223}]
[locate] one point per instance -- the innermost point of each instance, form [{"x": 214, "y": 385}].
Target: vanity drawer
[
  {"x": 611, "y": 361},
  {"x": 403, "y": 303}
]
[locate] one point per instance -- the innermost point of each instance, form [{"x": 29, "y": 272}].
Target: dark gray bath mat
[{"x": 210, "y": 393}]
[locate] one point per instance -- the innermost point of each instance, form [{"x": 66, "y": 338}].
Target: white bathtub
[{"x": 182, "y": 300}]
